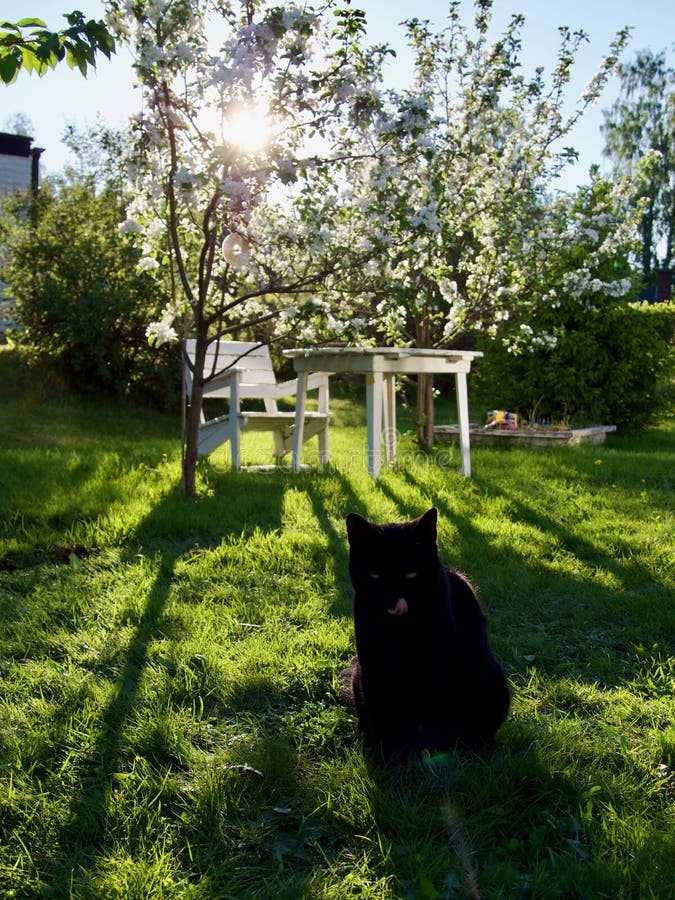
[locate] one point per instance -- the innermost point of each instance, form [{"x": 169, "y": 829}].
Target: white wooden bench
[{"x": 242, "y": 370}]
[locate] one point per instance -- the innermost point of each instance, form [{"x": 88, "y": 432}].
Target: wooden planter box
[{"x": 529, "y": 437}]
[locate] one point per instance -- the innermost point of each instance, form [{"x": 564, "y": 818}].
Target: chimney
[
  {"x": 35, "y": 169},
  {"x": 664, "y": 285}
]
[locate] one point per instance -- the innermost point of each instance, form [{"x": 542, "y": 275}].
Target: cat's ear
[
  {"x": 427, "y": 524},
  {"x": 357, "y": 528}
]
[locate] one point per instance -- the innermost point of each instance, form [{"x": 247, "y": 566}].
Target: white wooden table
[{"x": 381, "y": 365}]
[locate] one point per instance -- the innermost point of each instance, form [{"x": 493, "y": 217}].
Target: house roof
[{"x": 15, "y": 144}]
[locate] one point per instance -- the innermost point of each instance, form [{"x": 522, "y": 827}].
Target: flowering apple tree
[
  {"x": 460, "y": 207},
  {"x": 243, "y": 101}
]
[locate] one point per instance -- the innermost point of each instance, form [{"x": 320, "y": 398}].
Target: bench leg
[
  {"x": 323, "y": 434},
  {"x": 235, "y": 444}
]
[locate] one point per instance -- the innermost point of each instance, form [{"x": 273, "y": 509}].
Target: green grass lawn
[{"x": 170, "y": 724}]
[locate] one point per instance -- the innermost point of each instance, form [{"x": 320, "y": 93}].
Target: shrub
[
  {"x": 81, "y": 302},
  {"x": 612, "y": 364}
]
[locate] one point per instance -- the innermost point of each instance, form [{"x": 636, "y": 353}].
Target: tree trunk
[
  {"x": 193, "y": 419},
  {"x": 425, "y": 383},
  {"x": 647, "y": 244},
  {"x": 191, "y": 439},
  {"x": 425, "y": 411}
]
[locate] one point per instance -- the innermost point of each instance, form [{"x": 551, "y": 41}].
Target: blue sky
[{"x": 62, "y": 97}]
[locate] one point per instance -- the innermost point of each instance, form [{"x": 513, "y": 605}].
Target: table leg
[
  {"x": 298, "y": 430},
  {"x": 323, "y": 435},
  {"x": 374, "y": 421},
  {"x": 463, "y": 414},
  {"x": 390, "y": 419}
]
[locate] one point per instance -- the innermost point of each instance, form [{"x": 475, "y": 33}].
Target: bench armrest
[
  {"x": 222, "y": 379},
  {"x": 290, "y": 388}
]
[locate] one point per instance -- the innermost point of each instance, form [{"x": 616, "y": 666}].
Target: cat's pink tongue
[{"x": 400, "y": 609}]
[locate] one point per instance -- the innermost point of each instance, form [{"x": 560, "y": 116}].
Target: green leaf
[
  {"x": 32, "y": 63},
  {"x": 26, "y": 23},
  {"x": 27, "y": 59},
  {"x": 9, "y": 68}
]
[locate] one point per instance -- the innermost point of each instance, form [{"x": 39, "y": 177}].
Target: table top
[
  {"x": 381, "y": 359},
  {"x": 390, "y": 352}
]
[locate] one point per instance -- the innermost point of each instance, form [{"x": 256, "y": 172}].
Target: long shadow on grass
[
  {"x": 89, "y": 809},
  {"x": 573, "y": 624},
  {"x": 627, "y": 573},
  {"x": 234, "y": 505},
  {"x": 336, "y": 538}
]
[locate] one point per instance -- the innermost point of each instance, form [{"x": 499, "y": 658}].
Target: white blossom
[
  {"x": 147, "y": 264},
  {"x": 130, "y": 226},
  {"x": 161, "y": 332}
]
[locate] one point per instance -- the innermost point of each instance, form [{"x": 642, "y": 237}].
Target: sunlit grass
[{"x": 171, "y": 725}]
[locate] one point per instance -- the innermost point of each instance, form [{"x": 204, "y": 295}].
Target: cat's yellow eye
[
  {"x": 411, "y": 575},
  {"x": 375, "y": 576}
]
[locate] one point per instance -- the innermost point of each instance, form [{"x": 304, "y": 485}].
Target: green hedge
[{"x": 613, "y": 366}]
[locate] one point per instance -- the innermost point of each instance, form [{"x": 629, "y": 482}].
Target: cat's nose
[{"x": 400, "y": 608}]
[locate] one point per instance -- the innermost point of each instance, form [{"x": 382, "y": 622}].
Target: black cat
[{"x": 424, "y": 677}]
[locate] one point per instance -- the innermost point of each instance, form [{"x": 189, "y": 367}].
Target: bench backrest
[{"x": 258, "y": 379}]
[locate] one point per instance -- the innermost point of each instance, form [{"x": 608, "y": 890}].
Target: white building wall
[{"x": 15, "y": 173}]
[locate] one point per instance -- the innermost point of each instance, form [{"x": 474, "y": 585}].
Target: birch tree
[{"x": 642, "y": 122}]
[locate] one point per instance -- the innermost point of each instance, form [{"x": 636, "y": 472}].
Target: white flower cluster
[
  {"x": 162, "y": 331},
  {"x": 411, "y": 118},
  {"x": 392, "y": 316},
  {"x": 582, "y": 284},
  {"x": 131, "y": 226}
]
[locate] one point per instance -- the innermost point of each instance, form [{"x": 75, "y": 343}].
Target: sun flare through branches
[{"x": 247, "y": 126}]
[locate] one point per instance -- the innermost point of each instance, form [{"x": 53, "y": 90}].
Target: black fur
[{"x": 424, "y": 677}]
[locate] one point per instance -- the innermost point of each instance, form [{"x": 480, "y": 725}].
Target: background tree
[
  {"x": 19, "y": 123},
  {"x": 30, "y": 45},
  {"x": 640, "y": 121},
  {"x": 99, "y": 157}
]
